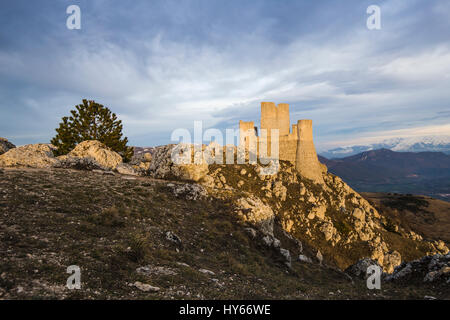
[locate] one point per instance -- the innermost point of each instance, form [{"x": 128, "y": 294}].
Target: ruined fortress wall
[
  {"x": 288, "y": 149},
  {"x": 246, "y": 132},
  {"x": 307, "y": 162},
  {"x": 269, "y": 119},
  {"x": 288, "y": 145},
  {"x": 275, "y": 117},
  {"x": 283, "y": 119},
  {"x": 294, "y": 131},
  {"x": 296, "y": 146},
  {"x": 244, "y": 126}
]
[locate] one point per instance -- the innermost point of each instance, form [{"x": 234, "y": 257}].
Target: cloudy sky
[{"x": 160, "y": 65}]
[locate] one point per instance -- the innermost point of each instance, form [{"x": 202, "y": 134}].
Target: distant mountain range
[
  {"x": 415, "y": 144},
  {"x": 384, "y": 170}
]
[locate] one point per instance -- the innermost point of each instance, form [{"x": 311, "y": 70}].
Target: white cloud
[
  {"x": 432, "y": 65},
  {"x": 342, "y": 82}
]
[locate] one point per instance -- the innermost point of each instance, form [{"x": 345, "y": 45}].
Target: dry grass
[
  {"x": 426, "y": 216},
  {"x": 109, "y": 226}
]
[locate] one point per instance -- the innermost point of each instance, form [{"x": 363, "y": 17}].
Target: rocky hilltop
[
  {"x": 287, "y": 216},
  {"x": 331, "y": 217}
]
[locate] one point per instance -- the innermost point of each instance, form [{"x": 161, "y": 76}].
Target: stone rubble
[{"x": 5, "y": 145}]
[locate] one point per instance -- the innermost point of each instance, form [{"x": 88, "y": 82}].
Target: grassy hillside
[
  {"x": 401, "y": 172},
  {"x": 110, "y": 225},
  {"x": 427, "y": 216}
]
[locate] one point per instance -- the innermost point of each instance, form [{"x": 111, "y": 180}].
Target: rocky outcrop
[
  {"x": 68, "y": 162},
  {"x": 31, "y": 155},
  {"x": 141, "y": 163},
  {"x": 94, "y": 151},
  {"x": 432, "y": 269},
  {"x": 5, "y": 145},
  {"x": 254, "y": 211},
  {"x": 279, "y": 190},
  {"x": 391, "y": 260},
  {"x": 88, "y": 155},
  {"x": 175, "y": 162},
  {"x": 145, "y": 287},
  {"x": 188, "y": 191},
  {"x": 330, "y": 232},
  {"x": 326, "y": 215},
  {"x": 141, "y": 157},
  {"x": 127, "y": 169},
  {"x": 439, "y": 247},
  {"x": 359, "y": 269}
]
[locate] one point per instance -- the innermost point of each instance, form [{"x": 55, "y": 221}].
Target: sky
[{"x": 161, "y": 65}]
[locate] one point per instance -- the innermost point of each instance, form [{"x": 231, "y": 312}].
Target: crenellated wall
[{"x": 295, "y": 145}]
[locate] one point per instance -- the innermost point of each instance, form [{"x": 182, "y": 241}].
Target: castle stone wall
[
  {"x": 306, "y": 162},
  {"x": 247, "y": 132},
  {"x": 296, "y": 146},
  {"x": 275, "y": 117}
]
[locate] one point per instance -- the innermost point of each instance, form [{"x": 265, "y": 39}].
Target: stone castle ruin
[{"x": 295, "y": 146}]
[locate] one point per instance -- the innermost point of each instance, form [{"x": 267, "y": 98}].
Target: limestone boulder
[
  {"x": 97, "y": 151},
  {"x": 254, "y": 211},
  {"x": 318, "y": 211},
  {"x": 180, "y": 162},
  {"x": 287, "y": 256},
  {"x": 441, "y": 247},
  {"x": 402, "y": 271},
  {"x": 279, "y": 190},
  {"x": 127, "y": 169},
  {"x": 358, "y": 214},
  {"x": 140, "y": 162},
  {"x": 304, "y": 258},
  {"x": 137, "y": 159},
  {"x": 434, "y": 269},
  {"x": 5, "y": 145},
  {"x": 68, "y": 162},
  {"x": 302, "y": 189},
  {"x": 188, "y": 191},
  {"x": 330, "y": 233},
  {"x": 145, "y": 287},
  {"x": 359, "y": 269},
  {"x": 32, "y": 155},
  {"x": 391, "y": 260}
]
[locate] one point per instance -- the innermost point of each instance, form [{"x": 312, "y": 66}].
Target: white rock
[
  {"x": 97, "y": 151},
  {"x": 304, "y": 258},
  {"x": 31, "y": 155},
  {"x": 206, "y": 271},
  {"x": 146, "y": 287}
]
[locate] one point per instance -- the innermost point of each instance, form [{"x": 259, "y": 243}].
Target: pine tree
[{"x": 91, "y": 121}]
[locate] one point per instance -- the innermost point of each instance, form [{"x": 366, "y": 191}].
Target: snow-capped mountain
[{"x": 412, "y": 144}]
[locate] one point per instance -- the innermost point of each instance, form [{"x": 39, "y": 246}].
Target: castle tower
[
  {"x": 295, "y": 145},
  {"x": 283, "y": 118},
  {"x": 247, "y": 135},
  {"x": 247, "y": 128},
  {"x": 306, "y": 162},
  {"x": 275, "y": 117}
]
